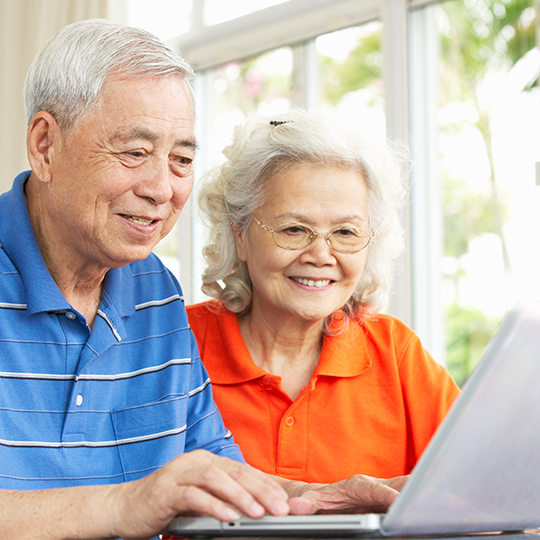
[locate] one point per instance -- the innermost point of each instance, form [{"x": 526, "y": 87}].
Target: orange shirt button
[{"x": 289, "y": 421}]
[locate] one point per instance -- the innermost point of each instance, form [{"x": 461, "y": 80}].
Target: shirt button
[
  {"x": 79, "y": 400},
  {"x": 289, "y": 421},
  {"x": 71, "y": 315}
]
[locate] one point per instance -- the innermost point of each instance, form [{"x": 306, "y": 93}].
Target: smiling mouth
[
  {"x": 140, "y": 221},
  {"x": 311, "y": 282}
]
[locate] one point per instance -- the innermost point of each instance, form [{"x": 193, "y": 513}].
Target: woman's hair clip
[{"x": 279, "y": 122}]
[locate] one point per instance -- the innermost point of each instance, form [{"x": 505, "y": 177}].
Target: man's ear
[{"x": 43, "y": 139}]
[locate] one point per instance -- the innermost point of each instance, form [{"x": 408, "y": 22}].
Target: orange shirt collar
[{"x": 344, "y": 355}]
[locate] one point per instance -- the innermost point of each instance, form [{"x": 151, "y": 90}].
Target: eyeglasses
[{"x": 295, "y": 236}]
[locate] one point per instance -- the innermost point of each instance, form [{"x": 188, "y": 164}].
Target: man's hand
[
  {"x": 359, "y": 494},
  {"x": 196, "y": 483}
]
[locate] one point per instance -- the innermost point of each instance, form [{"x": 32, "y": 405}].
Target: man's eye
[
  {"x": 132, "y": 158},
  {"x": 184, "y": 160},
  {"x": 181, "y": 159},
  {"x": 136, "y": 153},
  {"x": 181, "y": 165}
]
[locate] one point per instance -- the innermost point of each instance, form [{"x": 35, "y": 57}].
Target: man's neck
[{"x": 81, "y": 284}]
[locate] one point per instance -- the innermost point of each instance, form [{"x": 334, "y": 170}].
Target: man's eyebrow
[
  {"x": 136, "y": 133},
  {"x": 187, "y": 143}
]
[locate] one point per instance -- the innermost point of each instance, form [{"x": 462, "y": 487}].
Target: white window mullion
[
  {"x": 190, "y": 229},
  {"x": 427, "y": 219},
  {"x": 306, "y": 73},
  {"x": 396, "y": 94}
]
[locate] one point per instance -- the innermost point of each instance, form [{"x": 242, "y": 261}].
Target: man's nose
[{"x": 157, "y": 186}]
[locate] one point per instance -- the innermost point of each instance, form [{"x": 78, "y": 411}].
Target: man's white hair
[{"x": 66, "y": 78}]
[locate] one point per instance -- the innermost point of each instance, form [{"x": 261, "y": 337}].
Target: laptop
[{"x": 479, "y": 473}]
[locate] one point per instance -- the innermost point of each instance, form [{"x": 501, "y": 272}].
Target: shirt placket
[{"x": 293, "y": 451}]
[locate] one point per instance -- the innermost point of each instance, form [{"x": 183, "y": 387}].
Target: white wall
[{"x": 25, "y": 26}]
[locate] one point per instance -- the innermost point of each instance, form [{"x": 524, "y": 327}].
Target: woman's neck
[{"x": 288, "y": 349}]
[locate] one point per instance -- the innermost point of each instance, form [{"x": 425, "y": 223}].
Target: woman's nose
[{"x": 319, "y": 251}]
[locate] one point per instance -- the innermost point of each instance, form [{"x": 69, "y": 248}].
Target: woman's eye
[
  {"x": 345, "y": 233},
  {"x": 294, "y": 230}
]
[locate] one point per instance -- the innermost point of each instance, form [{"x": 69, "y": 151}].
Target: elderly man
[{"x": 102, "y": 392}]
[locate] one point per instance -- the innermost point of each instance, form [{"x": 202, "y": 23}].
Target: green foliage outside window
[
  {"x": 477, "y": 38},
  {"x": 468, "y": 332}
]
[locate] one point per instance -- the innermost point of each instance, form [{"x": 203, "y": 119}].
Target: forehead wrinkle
[{"x": 301, "y": 218}]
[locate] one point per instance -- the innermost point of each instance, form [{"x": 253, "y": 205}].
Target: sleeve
[
  {"x": 428, "y": 393},
  {"x": 205, "y": 428}
]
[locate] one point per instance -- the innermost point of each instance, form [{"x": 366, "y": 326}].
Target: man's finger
[
  {"x": 201, "y": 502},
  {"x": 249, "y": 490},
  {"x": 264, "y": 490}
]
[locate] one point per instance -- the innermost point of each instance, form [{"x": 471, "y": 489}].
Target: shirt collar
[
  {"x": 19, "y": 242},
  {"x": 241, "y": 368},
  {"x": 345, "y": 353},
  {"x": 342, "y": 355}
]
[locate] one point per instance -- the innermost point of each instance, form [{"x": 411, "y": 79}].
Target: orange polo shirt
[{"x": 372, "y": 404}]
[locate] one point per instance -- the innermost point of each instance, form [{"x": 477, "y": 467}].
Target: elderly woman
[{"x": 315, "y": 383}]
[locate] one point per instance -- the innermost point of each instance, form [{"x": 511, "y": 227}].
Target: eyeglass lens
[{"x": 295, "y": 236}]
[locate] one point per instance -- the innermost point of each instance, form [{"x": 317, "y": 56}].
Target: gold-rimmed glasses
[{"x": 294, "y": 236}]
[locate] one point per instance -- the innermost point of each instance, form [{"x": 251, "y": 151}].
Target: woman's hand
[{"x": 358, "y": 494}]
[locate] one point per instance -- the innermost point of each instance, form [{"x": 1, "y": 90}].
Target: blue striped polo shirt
[{"x": 106, "y": 406}]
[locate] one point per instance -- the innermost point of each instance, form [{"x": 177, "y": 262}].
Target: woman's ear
[
  {"x": 240, "y": 243},
  {"x": 43, "y": 139}
]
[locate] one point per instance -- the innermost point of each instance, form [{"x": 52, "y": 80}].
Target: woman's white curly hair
[{"x": 263, "y": 147}]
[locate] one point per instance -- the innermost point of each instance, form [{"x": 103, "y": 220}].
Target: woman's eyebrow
[{"x": 302, "y": 218}]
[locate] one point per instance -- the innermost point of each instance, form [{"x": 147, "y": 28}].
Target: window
[
  {"x": 350, "y": 75},
  {"x": 455, "y": 79},
  {"x": 488, "y": 112},
  {"x": 164, "y": 18},
  {"x": 258, "y": 85}
]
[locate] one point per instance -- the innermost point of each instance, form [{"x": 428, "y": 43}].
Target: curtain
[{"x": 25, "y": 26}]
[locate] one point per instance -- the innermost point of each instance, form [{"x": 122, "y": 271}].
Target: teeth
[
  {"x": 140, "y": 220},
  {"x": 312, "y": 283}
]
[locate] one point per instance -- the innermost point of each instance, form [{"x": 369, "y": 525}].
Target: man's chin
[{"x": 128, "y": 256}]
